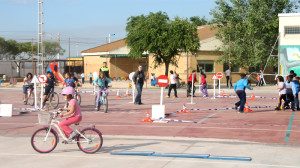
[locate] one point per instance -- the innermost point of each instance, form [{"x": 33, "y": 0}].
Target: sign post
[
  {"x": 158, "y": 111},
  {"x": 42, "y": 79},
  {"x": 95, "y": 75},
  {"x": 214, "y": 78},
  {"x": 219, "y": 76},
  {"x": 132, "y": 85},
  {"x": 34, "y": 81}
]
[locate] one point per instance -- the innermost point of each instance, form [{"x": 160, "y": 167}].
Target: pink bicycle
[{"x": 44, "y": 140}]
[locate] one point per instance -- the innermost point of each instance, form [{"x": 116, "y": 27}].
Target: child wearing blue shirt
[
  {"x": 297, "y": 85},
  {"x": 100, "y": 83},
  {"x": 239, "y": 88},
  {"x": 290, "y": 93}
]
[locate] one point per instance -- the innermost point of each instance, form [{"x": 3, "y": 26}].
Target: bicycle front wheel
[
  {"x": 30, "y": 99},
  {"x": 105, "y": 104},
  {"x": 78, "y": 98},
  {"x": 91, "y": 141},
  {"x": 54, "y": 100},
  {"x": 43, "y": 143}
]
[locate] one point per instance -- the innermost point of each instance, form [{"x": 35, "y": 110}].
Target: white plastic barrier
[{"x": 5, "y": 110}]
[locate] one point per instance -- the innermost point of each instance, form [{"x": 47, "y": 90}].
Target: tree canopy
[
  {"x": 252, "y": 27},
  {"x": 198, "y": 21},
  {"x": 162, "y": 37}
]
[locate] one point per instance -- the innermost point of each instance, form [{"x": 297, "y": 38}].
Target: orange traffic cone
[
  {"x": 127, "y": 93},
  {"x": 247, "y": 109},
  {"x": 147, "y": 119},
  {"x": 252, "y": 97},
  {"x": 224, "y": 94},
  {"x": 184, "y": 110},
  {"x": 118, "y": 94}
]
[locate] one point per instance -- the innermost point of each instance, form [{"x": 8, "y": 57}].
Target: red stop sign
[
  {"x": 162, "y": 81},
  {"x": 219, "y": 75}
]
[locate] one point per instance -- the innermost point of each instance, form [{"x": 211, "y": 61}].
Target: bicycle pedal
[{"x": 65, "y": 142}]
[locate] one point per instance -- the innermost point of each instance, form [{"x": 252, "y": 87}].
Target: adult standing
[
  {"x": 91, "y": 78},
  {"x": 138, "y": 79},
  {"x": 262, "y": 80},
  {"x": 82, "y": 78},
  {"x": 228, "y": 77},
  {"x": 105, "y": 70},
  {"x": 239, "y": 88},
  {"x": 172, "y": 84}
]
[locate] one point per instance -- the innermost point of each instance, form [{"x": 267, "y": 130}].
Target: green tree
[
  {"x": 164, "y": 38},
  {"x": 252, "y": 27},
  {"x": 198, "y": 21}
]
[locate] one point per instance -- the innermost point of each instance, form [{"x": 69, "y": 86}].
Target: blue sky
[{"x": 87, "y": 22}]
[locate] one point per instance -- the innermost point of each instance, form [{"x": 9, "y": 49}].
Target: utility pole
[
  {"x": 58, "y": 41},
  {"x": 32, "y": 56},
  {"x": 40, "y": 37},
  {"x": 69, "y": 62},
  {"x": 229, "y": 55}
]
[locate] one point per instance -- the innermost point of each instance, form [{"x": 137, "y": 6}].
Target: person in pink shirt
[
  {"x": 73, "y": 111},
  {"x": 204, "y": 85}
]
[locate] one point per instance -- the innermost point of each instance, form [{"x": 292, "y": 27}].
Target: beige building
[{"x": 120, "y": 65}]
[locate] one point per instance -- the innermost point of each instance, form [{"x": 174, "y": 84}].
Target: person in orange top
[
  {"x": 192, "y": 78},
  {"x": 258, "y": 80}
]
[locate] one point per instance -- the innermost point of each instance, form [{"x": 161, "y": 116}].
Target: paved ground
[{"x": 273, "y": 137}]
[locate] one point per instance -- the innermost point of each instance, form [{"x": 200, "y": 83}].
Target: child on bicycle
[
  {"x": 27, "y": 84},
  {"x": 69, "y": 81},
  {"x": 49, "y": 85},
  {"x": 73, "y": 111},
  {"x": 100, "y": 83}
]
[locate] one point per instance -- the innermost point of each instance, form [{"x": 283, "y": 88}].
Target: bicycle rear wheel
[
  {"x": 105, "y": 104},
  {"x": 41, "y": 144},
  {"x": 54, "y": 100},
  {"x": 94, "y": 140}
]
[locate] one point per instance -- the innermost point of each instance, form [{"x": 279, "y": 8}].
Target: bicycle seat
[{"x": 76, "y": 123}]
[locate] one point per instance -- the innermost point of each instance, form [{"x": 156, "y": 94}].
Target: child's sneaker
[
  {"x": 277, "y": 109},
  {"x": 236, "y": 108},
  {"x": 72, "y": 136},
  {"x": 167, "y": 96}
]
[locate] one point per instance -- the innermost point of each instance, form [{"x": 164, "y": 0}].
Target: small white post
[
  {"x": 200, "y": 82},
  {"x": 219, "y": 80},
  {"x": 161, "y": 95}
]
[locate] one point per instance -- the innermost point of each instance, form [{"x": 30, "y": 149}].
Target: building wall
[
  {"x": 122, "y": 67},
  {"x": 289, "y": 20},
  {"x": 93, "y": 63}
]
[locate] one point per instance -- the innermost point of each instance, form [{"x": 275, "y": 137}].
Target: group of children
[{"x": 288, "y": 92}]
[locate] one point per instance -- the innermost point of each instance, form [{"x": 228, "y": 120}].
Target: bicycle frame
[
  {"x": 101, "y": 98},
  {"x": 55, "y": 123}
]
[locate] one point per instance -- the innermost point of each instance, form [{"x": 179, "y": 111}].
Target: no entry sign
[
  {"x": 219, "y": 75},
  {"x": 162, "y": 81},
  {"x": 42, "y": 78}
]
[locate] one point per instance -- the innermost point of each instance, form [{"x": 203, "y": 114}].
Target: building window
[
  {"x": 232, "y": 68},
  {"x": 205, "y": 66},
  {"x": 292, "y": 30}
]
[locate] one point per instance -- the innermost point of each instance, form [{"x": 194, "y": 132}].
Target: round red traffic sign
[
  {"x": 162, "y": 81},
  {"x": 42, "y": 78},
  {"x": 219, "y": 75}
]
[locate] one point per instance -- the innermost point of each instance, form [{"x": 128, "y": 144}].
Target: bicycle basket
[{"x": 44, "y": 118}]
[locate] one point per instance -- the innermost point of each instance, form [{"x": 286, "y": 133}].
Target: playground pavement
[{"x": 271, "y": 138}]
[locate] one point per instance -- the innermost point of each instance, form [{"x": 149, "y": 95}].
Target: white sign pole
[
  {"x": 35, "y": 95},
  {"x": 94, "y": 89},
  {"x": 192, "y": 94},
  {"x": 133, "y": 90},
  {"x": 219, "y": 86},
  {"x": 200, "y": 82},
  {"x": 161, "y": 95},
  {"x": 214, "y": 89},
  {"x": 42, "y": 91}
]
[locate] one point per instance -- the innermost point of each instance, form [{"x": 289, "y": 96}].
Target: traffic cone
[
  {"x": 252, "y": 97},
  {"x": 147, "y": 119},
  {"x": 224, "y": 94},
  {"x": 247, "y": 109},
  {"x": 118, "y": 94},
  {"x": 127, "y": 93},
  {"x": 184, "y": 110}
]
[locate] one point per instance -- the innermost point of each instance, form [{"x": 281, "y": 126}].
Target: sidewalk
[{"x": 16, "y": 151}]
